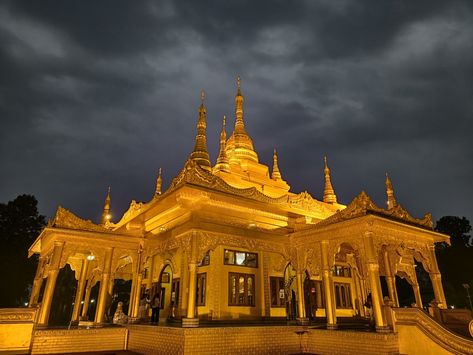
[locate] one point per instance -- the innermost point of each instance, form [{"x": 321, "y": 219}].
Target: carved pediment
[
  {"x": 363, "y": 205},
  {"x": 66, "y": 219}
]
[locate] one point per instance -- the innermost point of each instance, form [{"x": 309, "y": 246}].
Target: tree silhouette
[
  {"x": 456, "y": 262},
  {"x": 20, "y": 224}
]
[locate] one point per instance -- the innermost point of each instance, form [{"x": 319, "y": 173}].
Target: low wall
[
  {"x": 59, "y": 341},
  {"x": 421, "y": 334},
  {"x": 16, "y": 329},
  {"x": 257, "y": 340}
]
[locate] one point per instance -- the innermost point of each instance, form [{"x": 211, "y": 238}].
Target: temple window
[
  {"x": 205, "y": 260},
  {"x": 240, "y": 258},
  {"x": 278, "y": 296},
  {"x": 241, "y": 289},
  {"x": 342, "y": 295},
  {"x": 201, "y": 287},
  {"x": 341, "y": 271}
]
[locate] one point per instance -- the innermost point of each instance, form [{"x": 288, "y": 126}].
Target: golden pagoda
[{"x": 232, "y": 242}]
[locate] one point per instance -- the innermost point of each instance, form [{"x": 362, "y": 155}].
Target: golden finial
[
  {"x": 329, "y": 193},
  {"x": 159, "y": 183},
  {"x": 106, "y": 208},
  {"x": 238, "y": 85},
  {"x": 391, "y": 201},
  {"x": 276, "y": 175},
  {"x": 200, "y": 153},
  {"x": 222, "y": 163}
]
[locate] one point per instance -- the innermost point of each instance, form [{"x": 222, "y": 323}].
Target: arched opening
[
  {"x": 164, "y": 287},
  {"x": 121, "y": 293},
  {"x": 62, "y": 303},
  {"x": 425, "y": 284},
  {"x": 405, "y": 293},
  {"x": 290, "y": 292},
  {"x": 313, "y": 296},
  {"x": 348, "y": 297}
]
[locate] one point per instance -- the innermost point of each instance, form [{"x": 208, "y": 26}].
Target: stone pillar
[
  {"x": 37, "y": 282},
  {"x": 375, "y": 283},
  {"x": 104, "y": 285},
  {"x": 53, "y": 272},
  {"x": 85, "y": 308},
  {"x": 136, "y": 297},
  {"x": 80, "y": 290},
  {"x": 192, "y": 321},
  {"x": 436, "y": 279},
  {"x": 328, "y": 288},
  {"x": 390, "y": 280},
  {"x": 359, "y": 293}
]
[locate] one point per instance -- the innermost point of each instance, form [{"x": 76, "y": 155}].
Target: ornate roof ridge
[
  {"x": 192, "y": 173},
  {"x": 362, "y": 205},
  {"x": 66, "y": 219}
]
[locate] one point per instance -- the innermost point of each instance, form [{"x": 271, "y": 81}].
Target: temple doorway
[
  {"x": 164, "y": 287},
  {"x": 312, "y": 296},
  {"x": 121, "y": 293}
]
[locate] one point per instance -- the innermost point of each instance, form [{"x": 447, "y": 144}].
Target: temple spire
[
  {"x": 200, "y": 154},
  {"x": 222, "y": 160},
  {"x": 391, "y": 202},
  {"x": 239, "y": 122},
  {"x": 276, "y": 175},
  {"x": 159, "y": 183},
  {"x": 106, "y": 209},
  {"x": 329, "y": 193}
]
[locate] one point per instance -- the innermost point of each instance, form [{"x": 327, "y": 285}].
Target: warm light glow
[
  {"x": 90, "y": 257},
  {"x": 108, "y": 217},
  {"x": 92, "y": 300}
]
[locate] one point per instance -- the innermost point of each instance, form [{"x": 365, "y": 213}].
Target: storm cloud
[{"x": 104, "y": 93}]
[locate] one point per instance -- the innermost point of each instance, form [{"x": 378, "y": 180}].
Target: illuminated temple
[{"x": 230, "y": 243}]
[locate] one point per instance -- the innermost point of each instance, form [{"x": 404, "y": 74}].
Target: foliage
[
  {"x": 20, "y": 224},
  {"x": 456, "y": 262}
]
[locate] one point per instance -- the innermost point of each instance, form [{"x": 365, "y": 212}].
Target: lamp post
[{"x": 467, "y": 288}]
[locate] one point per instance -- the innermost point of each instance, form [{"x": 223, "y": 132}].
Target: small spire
[
  {"x": 200, "y": 153},
  {"x": 391, "y": 202},
  {"x": 159, "y": 183},
  {"x": 329, "y": 193},
  {"x": 222, "y": 160},
  {"x": 276, "y": 175},
  {"x": 106, "y": 209}
]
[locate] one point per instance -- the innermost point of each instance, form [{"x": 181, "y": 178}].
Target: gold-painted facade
[{"x": 239, "y": 208}]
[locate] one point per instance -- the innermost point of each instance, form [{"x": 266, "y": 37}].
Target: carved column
[
  {"x": 328, "y": 288},
  {"x": 436, "y": 279},
  {"x": 136, "y": 287},
  {"x": 80, "y": 290},
  {"x": 390, "y": 280},
  {"x": 191, "y": 320},
  {"x": 416, "y": 289},
  {"x": 85, "y": 308},
  {"x": 50, "y": 283},
  {"x": 375, "y": 283},
  {"x": 104, "y": 286},
  {"x": 37, "y": 282},
  {"x": 302, "y": 320}
]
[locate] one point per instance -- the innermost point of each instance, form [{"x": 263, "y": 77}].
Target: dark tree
[
  {"x": 20, "y": 224},
  {"x": 456, "y": 262}
]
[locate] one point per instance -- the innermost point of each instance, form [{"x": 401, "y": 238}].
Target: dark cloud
[{"x": 103, "y": 94}]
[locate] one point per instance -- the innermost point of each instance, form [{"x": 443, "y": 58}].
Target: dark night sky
[{"x": 99, "y": 93}]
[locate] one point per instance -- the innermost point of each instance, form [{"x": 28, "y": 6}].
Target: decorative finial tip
[
  {"x": 224, "y": 120},
  {"x": 202, "y": 96},
  {"x": 109, "y": 188},
  {"x": 274, "y": 152},
  {"x": 325, "y": 159},
  {"x": 159, "y": 172},
  {"x": 238, "y": 82}
]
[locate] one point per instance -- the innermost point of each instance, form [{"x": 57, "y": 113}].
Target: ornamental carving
[
  {"x": 66, "y": 219},
  {"x": 362, "y": 205}
]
